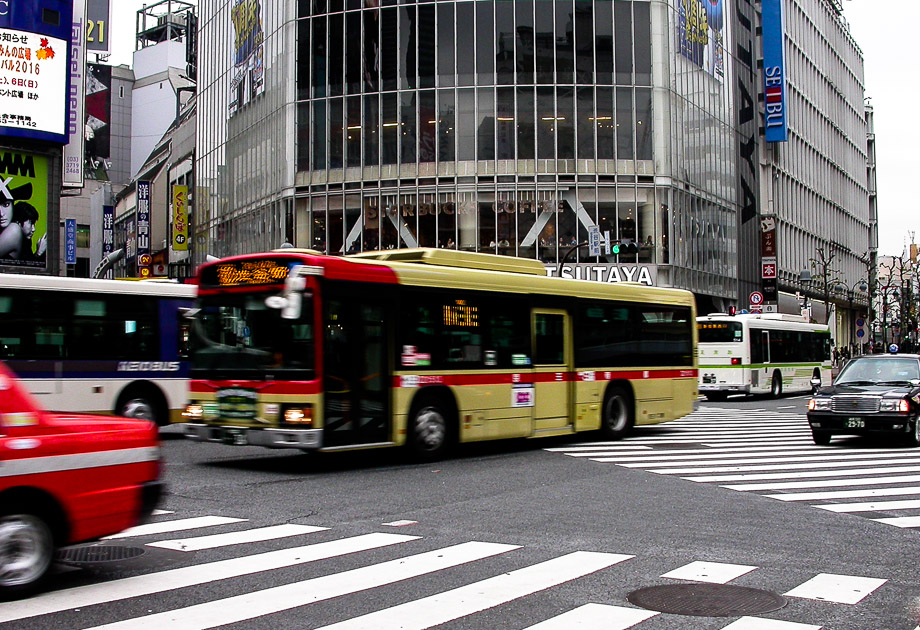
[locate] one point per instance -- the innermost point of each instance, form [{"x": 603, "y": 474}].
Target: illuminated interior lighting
[{"x": 354, "y": 127}]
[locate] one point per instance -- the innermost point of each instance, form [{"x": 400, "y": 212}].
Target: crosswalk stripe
[
  {"x": 840, "y": 589},
  {"x": 758, "y": 623},
  {"x": 845, "y": 494},
  {"x": 235, "y": 538},
  {"x": 467, "y": 600},
  {"x": 737, "y": 458},
  {"x": 853, "y": 472},
  {"x": 279, "y": 598},
  {"x": 900, "y": 521},
  {"x": 710, "y": 572},
  {"x": 708, "y": 453},
  {"x": 825, "y": 483},
  {"x": 764, "y": 468},
  {"x": 165, "y": 527},
  {"x": 875, "y": 506},
  {"x": 596, "y": 617},
  {"x": 115, "y": 590}
]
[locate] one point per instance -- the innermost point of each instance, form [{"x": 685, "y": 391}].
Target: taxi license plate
[
  {"x": 235, "y": 436},
  {"x": 854, "y": 423}
]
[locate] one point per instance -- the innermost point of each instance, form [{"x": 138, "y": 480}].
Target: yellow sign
[
  {"x": 251, "y": 272},
  {"x": 461, "y": 314},
  {"x": 180, "y": 218}
]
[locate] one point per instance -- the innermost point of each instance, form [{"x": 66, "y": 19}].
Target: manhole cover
[
  {"x": 706, "y": 600},
  {"x": 95, "y": 554}
]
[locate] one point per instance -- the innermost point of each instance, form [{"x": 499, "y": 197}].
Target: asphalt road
[{"x": 510, "y": 535}]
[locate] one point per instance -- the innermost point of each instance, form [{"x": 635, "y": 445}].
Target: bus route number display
[
  {"x": 461, "y": 314},
  {"x": 247, "y": 273}
]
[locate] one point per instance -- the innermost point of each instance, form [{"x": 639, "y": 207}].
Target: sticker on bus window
[
  {"x": 523, "y": 395},
  {"x": 491, "y": 358},
  {"x": 520, "y": 359}
]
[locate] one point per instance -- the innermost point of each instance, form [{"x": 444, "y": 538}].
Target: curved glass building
[{"x": 513, "y": 127}]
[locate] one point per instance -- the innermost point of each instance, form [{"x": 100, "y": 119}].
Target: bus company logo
[
  {"x": 523, "y": 396},
  {"x": 587, "y": 377},
  {"x": 148, "y": 366},
  {"x": 414, "y": 380}
]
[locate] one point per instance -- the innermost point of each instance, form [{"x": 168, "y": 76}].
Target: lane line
[
  {"x": 161, "y": 581},
  {"x": 237, "y": 538},
  {"x": 467, "y": 600},
  {"x": 840, "y": 589},
  {"x": 279, "y": 598},
  {"x": 596, "y": 617}
]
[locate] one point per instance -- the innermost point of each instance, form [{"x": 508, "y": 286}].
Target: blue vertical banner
[
  {"x": 70, "y": 241},
  {"x": 774, "y": 71}
]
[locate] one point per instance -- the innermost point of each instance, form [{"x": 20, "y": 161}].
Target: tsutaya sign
[{"x": 607, "y": 273}]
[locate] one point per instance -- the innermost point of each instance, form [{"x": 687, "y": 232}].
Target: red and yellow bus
[{"x": 426, "y": 348}]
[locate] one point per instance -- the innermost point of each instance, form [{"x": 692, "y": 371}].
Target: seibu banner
[{"x": 606, "y": 273}]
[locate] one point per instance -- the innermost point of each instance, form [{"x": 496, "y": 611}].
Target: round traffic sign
[
  {"x": 756, "y": 297},
  {"x": 893, "y": 348},
  {"x": 860, "y": 322},
  {"x": 861, "y": 333}
]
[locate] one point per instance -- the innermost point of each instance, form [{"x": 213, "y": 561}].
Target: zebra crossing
[
  {"x": 490, "y": 593},
  {"x": 772, "y": 455}
]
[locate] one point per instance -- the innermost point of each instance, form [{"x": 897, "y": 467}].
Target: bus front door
[
  {"x": 355, "y": 369},
  {"x": 552, "y": 370}
]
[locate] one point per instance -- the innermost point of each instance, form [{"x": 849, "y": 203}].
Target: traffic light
[{"x": 616, "y": 248}]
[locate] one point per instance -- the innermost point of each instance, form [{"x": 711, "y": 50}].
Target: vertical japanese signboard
[
  {"x": 180, "y": 218},
  {"x": 73, "y": 151},
  {"x": 768, "y": 261},
  {"x": 70, "y": 241},
  {"x": 143, "y": 227},
  {"x": 774, "y": 71},
  {"x": 108, "y": 233}
]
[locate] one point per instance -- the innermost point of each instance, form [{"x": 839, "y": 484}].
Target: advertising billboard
[
  {"x": 34, "y": 78},
  {"x": 98, "y": 114},
  {"x": 73, "y": 150},
  {"x": 23, "y": 209},
  {"x": 248, "y": 78},
  {"x": 700, "y": 34},
  {"x": 774, "y": 71}
]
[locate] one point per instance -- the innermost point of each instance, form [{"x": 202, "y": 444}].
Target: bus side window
[{"x": 548, "y": 335}]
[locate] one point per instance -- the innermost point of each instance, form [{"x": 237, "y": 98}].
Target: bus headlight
[
  {"x": 819, "y": 404},
  {"x": 193, "y": 411},
  {"x": 301, "y": 415}
]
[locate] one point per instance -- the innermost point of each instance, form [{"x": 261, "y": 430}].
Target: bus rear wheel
[
  {"x": 776, "y": 385},
  {"x": 618, "y": 414},
  {"x": 428, "y": 429},
  {"x": 144, "y": 404}
]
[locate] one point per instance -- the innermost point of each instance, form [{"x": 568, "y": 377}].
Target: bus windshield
[
  {"x": 237, "y": 334},
  {"x": 720, "y": 332}
]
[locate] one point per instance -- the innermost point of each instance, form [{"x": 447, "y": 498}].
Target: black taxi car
[{"x": 875, "y": 394}]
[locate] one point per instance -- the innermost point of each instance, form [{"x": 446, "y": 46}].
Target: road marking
[
  {"x": 467, "y": 600},
  {"x": 877, "y": 506},
  {"x": 161, "y": 581},
  {"x": 845, "y": 494},
  {"x": 709, "y": 453},
  {"x": 400, "y": 523},
  {"x": 236, "y": 538},
  {"x": 711, "y": 572},
  {"x": 840, "y": 589},
  {"x": 596, "y": 617},
  {"x": 900, "y": 521},
  {"x": 827, "y": 483},
  {"x": 272, "y": 600},
  {"x": 756, "y": 623},
  {"x": 788, "y": 407},
  {"x": 802, "y": 475},
  {"x": 165, "y": 527},
  {"x": 803, "y": 466}
]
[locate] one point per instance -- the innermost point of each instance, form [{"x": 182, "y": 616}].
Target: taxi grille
[{"x": 855, "y": 404}]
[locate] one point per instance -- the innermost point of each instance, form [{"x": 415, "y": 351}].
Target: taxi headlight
[
  {"x": 819, "y": 404},
  {"x": 896, "y": 406}
]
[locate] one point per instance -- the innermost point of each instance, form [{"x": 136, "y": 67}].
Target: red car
[{"x": 66, "y": 478}]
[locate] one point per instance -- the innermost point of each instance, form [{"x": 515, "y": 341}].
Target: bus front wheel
[
  {"x": 428, "y": 429},
  {"x": 618, "y": 414}
]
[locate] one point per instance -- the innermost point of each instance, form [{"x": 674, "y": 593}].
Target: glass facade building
[{"x": 512, "y": 127}]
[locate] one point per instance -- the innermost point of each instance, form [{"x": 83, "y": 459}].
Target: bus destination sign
[
  {"x": 240, "y": 273},
  {"x": 461, "y": 314}
]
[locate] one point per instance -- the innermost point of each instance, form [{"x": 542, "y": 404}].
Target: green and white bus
[{"x": 768, "y": 353}]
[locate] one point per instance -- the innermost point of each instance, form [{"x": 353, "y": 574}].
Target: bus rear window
[{"x": 720, "y": 332}]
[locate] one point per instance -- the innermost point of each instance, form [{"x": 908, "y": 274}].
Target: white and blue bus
[
  {"x": 100, "y": 346},
  {"x": 770, "y": 353}
]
